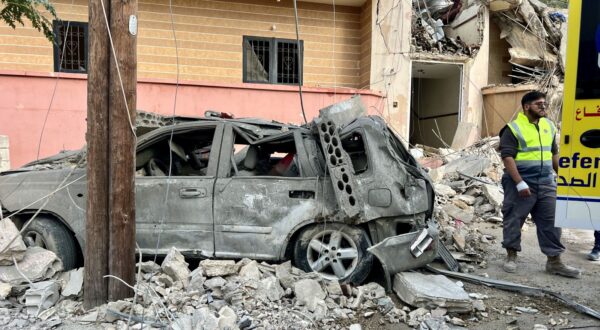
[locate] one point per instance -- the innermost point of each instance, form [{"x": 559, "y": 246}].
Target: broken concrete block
[
  {"x": 469, "y": 200},
  {"x": 148, "y": 267},
  {"x": 494, "y": 194},
  {"x": 479, "y": 305},
  {"x": 227, "y": 319},
  {"x": 219, "y": 267},
  {"x": 459, "y": 240},
  {"x": 37, "y": 265},
  {"x": 472, "y": 165},
  {"x": 283, "y": 273},
  {"x": 444, "y": 190},
  {"x": 458, "y": 214},
  {"x": 73, "y": 282},
  {"x": 41, "y": 296},
  {"x": 250, "y": 271},
  {"x": 5, "y": 289},
  {"x": 215, "y": 283},
  {"x": 437, "y": 174},
  {"x": 431, "y": 291},
  {"x": 16, "y": 249},
  {"x": 309, "y": 293},
  {"x": 118, "y": 306},
  {"x": 175, "y": 266},
  {"x": 197, "y": 280},
  {"x": 270, "y": 289},
  {"x": 372, "y": 291},
  {"x": 334, "y": 288}
]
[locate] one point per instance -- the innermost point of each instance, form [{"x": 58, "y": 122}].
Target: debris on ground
[
  {"x": 10, "y": 249},
  {"x": 431, "y": 291},
  {"x": 38, "y": 264},
  {"x": 226, "y": 294},
  {"x": 468, "y": 191}
]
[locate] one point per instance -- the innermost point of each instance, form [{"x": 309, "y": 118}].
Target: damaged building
[{"x": 425, "y": 66}]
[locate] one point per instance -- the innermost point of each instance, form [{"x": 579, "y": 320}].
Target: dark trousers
[
  {"x": 541, "y": 204},
  {"x": 597, "y": 240}
]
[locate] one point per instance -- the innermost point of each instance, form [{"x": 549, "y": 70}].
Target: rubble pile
[
  {"x": 536, "y": 34},
  {"x": 428, "y": 22},
  {"x": 223, "y": 294},
  {"x": 468, "y": 190}
]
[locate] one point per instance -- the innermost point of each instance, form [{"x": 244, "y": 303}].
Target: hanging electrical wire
[{"x": 300, "y": 55}]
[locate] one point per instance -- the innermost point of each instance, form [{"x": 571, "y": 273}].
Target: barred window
[
  {"x": 272, "y": 60},
  {"x": 70, "y": 46}
]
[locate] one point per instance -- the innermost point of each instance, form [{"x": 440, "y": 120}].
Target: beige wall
[
  {"x": 365, "y": 51},
  {"x": 390, "y": 61},
  {"x": 499, "y": 68},
  {"x": 209, "y": 37}
]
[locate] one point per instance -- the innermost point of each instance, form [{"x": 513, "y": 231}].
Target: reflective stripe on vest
[{"x": 534, "y": 156}]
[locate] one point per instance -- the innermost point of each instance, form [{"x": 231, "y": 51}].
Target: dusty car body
[{"x": 227, "y": 188}]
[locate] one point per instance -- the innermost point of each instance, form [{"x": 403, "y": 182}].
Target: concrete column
[
  {"x": 390, "y": 61},
  {"x": 4, "y": 155}
]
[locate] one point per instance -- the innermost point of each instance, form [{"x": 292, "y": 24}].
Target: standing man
[
  {"x": 529, "y": 153},
  {"x": 595, "y": 254}
]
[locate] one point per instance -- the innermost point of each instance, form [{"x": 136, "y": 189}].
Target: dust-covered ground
[{"x": 500, "y": 305}]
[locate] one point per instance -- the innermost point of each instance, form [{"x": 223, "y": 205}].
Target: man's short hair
[{"x": 532, "y": 96}]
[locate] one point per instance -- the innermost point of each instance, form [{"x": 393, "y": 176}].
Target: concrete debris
[
  {"x": 41, "y": 296},
  {"x": 494, "y": 194},
  {"x": 527, "y": 310},
  {"x": 428, "y": 36},
  {"x": 219, "y": 267},
  {"x": 250, "y": 271},
  {"x": 71, "y": 282},
  {"x": 467, "y": 191},
  {"x": 38, "y": 264},
  {"x": 175, "y": 266},
  {"x": 309, "y": 293},
  {"x": 16, "y": 249},
  {"x": 269, "y": 288},
  {"x": 148, "y": 267},
  {"x": 197, "y": 280},
  {"x": 5, "y": 289},
  {"x": 227, "y": 319},
  {"x": 431, "y": 291}
]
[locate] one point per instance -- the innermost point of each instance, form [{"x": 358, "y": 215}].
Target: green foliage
[{"x": 14, "y": 11}]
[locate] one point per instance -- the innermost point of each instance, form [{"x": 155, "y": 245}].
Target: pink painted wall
[{"x": 26, "y": 98}]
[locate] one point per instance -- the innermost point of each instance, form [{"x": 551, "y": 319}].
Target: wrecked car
[{"x": 328, "y": 195}]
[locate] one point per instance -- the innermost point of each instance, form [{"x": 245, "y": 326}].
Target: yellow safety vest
[{"x": 534, "y": 156}]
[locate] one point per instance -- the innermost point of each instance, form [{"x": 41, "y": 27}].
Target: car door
[
  {"x": 176, "y": 211},
  {"x": 256, "y": 214}
]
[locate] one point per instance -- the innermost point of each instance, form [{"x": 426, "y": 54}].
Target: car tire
[
  {"x": 347, "y": 261},
  {"x": 52, "y": 235}
]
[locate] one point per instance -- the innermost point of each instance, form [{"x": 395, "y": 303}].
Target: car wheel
[
  {"x": 335, "y": 251},
  {"x": 52, "y": 235}
]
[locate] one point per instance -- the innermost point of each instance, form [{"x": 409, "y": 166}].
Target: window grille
[
  {"x": 70, "y": 47},
  {"x": 271, "y": 60}
]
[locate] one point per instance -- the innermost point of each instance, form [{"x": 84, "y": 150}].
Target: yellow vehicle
[{"x": 578, "y": 200}]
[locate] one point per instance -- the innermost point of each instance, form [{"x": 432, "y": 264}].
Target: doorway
[{"x": 436, "y": 93}]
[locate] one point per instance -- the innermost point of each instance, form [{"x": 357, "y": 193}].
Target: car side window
[
  {"x": 354, "y": 144},
  {"x": 274, "y": 158},
  {"x": 185, "y": 154}
]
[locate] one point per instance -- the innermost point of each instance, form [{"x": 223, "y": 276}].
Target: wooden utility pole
[
  {"x": 110, "y": 225},
  {"x": 121, "y": 257},
  {"x": 96, "y": 238}
]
